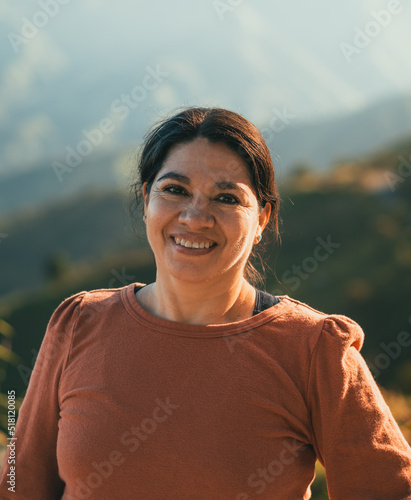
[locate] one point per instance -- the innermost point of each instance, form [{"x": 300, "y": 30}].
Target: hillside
[
  {"x": 352, "y": 136},
  {"x": 80, "y": 229},
  {"x": 320, "y": 144},
  {"x": 41, "y": 185},
  {"x": 365, "y": 209}
]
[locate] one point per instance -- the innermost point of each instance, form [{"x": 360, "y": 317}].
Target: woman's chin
[{"x": 194, "y": 274}]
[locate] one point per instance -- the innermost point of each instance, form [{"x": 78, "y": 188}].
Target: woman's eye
[
  {"x": 173, "y": 189},
  {"x": 228, "y": 198}
]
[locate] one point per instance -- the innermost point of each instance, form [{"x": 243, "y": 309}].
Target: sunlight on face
[{"x": 202, "y": 213}]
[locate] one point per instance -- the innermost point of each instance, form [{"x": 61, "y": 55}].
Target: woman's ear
[
  {"x": 264, "y": 216},
  {"x": 145, "y": 194}
]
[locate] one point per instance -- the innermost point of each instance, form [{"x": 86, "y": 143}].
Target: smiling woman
[
  {"x": 207, "y": 181},
  {"x": 235, "y": 148},
  {"x": 202, "y": 218},
  {"x": 199, "y": 385}
]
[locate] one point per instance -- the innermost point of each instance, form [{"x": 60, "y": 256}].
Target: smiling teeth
[{"x": 192, "y": 244}]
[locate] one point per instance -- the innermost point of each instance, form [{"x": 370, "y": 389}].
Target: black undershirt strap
[{"x": 263, "y": 300}]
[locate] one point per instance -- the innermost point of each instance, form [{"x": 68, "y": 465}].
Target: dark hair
[{"x": 218, "y": 126}]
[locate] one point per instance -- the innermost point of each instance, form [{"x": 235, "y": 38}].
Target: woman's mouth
[{"x": 193, "y": 246}]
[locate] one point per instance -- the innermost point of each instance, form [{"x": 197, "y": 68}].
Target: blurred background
[{"x": 328, "y": 85}]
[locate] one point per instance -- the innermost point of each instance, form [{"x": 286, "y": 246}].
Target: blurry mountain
[
  {"x": 43, "y": 184},
  {"x": 325, "y": 143},
  {"x": 41, "y": 243},
  {"x": 318, "y": 145}
]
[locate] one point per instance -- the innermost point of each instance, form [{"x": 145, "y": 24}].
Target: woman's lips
[{"x": 192, "y": 246}]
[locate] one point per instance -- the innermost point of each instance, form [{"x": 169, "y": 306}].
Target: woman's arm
[
  {"x": 355, "y": 435},
  {"x": 35, "y": 461}
]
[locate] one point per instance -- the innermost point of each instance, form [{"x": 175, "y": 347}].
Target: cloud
[
  {"x": 266, "y": 50},
  {"x": 38, "y": 61},
  {"x": 387, "y": 51},
  {"x": 37, "y": 133}
]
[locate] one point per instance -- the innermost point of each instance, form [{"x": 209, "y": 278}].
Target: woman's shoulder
[
  {"x": 98, "y": 298},
  {"x": 308, "y": 322}
]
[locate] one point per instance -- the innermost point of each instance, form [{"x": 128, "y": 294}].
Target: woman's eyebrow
[
  {"x": 186, "y": 180},
  {"x": 230, "y": 185},
  {"x": 175, "y": 176}
]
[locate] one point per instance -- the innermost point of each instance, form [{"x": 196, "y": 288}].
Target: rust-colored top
[{"x": 124, "y": 405}]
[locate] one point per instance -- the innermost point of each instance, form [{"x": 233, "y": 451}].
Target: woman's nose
[{"x": 197, "y": 215}]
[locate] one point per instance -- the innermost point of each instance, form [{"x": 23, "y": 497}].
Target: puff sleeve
[
  {"x": 355, "y": 436},
  {"x": 35, "y": 437}
]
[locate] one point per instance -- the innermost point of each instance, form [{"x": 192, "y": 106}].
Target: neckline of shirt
[{"x": 205, "y": 331}]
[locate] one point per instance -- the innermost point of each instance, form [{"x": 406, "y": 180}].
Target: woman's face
[{"x": 202, "y": 214}]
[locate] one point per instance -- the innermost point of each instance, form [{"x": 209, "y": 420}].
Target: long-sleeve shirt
[{"x": 122, "y": 404}]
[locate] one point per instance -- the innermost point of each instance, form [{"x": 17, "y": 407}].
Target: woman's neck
[{"x": 201, "y": 304}]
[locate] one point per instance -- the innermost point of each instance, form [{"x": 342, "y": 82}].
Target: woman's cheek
[{"x": 161, "y": 206}]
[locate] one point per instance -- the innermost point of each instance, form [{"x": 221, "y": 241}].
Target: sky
[{"x": 65, "y": 62}]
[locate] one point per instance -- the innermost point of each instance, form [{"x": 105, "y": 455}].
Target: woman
[{"x": 199, "y": 386}]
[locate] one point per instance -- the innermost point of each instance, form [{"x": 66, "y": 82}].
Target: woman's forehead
[{"x": 209, "y": 160}]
